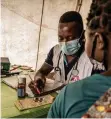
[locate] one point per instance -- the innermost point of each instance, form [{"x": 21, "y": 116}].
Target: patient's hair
[
  {"x": 71, "y": 16},
  {"x": 99, "y": 16}
]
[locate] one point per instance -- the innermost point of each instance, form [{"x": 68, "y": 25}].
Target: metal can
[{"x": 21, "y": 89}]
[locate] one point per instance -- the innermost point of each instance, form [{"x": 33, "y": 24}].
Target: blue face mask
[{"x": 70, "y": 47}]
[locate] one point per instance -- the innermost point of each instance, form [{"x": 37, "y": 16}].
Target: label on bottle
[{"x": 21, "y": 92}]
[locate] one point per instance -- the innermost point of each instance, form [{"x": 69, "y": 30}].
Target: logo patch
[{"x": 75, "y": 78}]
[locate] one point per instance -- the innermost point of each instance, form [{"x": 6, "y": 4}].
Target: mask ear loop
[
  {"x": 93, "y": 52},
  {"x": 105, "y": 50},
  {"x": 94, "y": 47}
]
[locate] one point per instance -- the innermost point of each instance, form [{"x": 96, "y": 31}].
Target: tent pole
[
  {"x": 39, "y": 33},
  {"x": 79, "y": 4}
]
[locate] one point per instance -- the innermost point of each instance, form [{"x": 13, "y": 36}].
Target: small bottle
[{"x": 21, "y": 89}]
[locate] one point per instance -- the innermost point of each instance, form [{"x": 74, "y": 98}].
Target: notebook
[{"x": 28, "y": 103}]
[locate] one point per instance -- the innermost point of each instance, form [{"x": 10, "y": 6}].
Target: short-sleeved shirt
[{"x": 76, "y": 98}]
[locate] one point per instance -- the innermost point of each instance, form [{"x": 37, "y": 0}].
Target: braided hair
[
  {"x": 99, "y": 16},
  {"x": 99, "y": 20}
]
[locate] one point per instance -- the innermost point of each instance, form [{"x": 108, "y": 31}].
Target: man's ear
[{"x": 100, "y": 41}]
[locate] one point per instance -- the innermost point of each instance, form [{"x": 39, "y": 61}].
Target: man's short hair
[{"x": 71, "y": 16}]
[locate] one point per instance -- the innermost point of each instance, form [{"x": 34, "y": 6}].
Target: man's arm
[
  {"x": 39, "y": 78},
  {"x": 47, "y": 67},
  {"x": 44, "y": 70}
]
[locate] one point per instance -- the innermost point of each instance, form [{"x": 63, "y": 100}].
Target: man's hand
[
  {"x": 37, "y": 86},
  {"x": 40, "y": 81}
]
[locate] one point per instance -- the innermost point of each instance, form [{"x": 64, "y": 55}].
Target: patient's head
[{"x": 98, "y": 32}]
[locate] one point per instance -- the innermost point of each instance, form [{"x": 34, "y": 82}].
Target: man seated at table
[{"x": 67, "y": 58}]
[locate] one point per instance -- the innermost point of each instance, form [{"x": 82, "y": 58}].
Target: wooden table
[{"x": 8, "y": 109}]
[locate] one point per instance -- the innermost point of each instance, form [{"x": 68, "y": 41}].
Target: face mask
[{"x": 70, "y": 47}]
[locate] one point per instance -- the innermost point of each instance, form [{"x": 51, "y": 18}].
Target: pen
[{"x": 38, "y": 91}]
